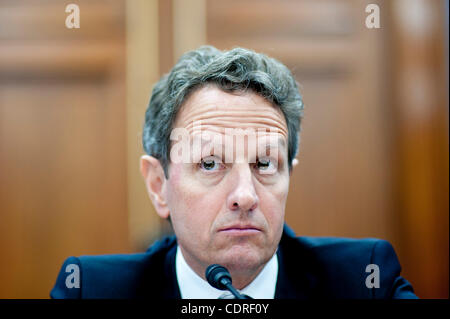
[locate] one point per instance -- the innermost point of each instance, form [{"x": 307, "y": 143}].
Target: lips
[{"x": 240, "y": 228}]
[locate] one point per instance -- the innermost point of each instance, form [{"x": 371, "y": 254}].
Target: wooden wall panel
[
  {"x": 142, "y": 72},
  {"x": 62, "y": 140},
  {"x": 419, "y": 53}
]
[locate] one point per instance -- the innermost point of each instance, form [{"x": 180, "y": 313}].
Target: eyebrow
[
  {"x": 279, "y": 145},
  {"x": 280, "y": 141},
  {"x": 221, "y": 143}
]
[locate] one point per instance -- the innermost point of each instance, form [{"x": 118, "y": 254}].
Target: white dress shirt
[{"x": 192, "y": 286}]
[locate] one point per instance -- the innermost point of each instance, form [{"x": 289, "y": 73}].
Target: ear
[
  {"x": 155, "y": 181},
  {"x": 294, "y": 164}
]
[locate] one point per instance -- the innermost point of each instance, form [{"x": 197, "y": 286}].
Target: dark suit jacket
[{"x": 309, "y": 267}]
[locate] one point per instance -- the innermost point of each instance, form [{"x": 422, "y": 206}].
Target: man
[{"x": 221, "y": 136}]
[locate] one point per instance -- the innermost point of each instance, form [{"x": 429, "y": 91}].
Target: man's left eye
[{"x": 265, "y": 165}]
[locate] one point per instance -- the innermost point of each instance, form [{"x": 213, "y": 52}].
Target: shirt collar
[{"x": 192, "y": 286}]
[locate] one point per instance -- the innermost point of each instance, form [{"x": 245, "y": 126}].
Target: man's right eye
[{"x": 209, "y": 164}]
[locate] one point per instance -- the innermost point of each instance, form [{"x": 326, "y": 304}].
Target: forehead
[{"x": 217, "y": 110}]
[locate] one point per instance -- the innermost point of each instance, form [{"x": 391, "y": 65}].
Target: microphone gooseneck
[{"x": 219, "y": 277}]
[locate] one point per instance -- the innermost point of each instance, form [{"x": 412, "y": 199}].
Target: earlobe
[
  {"x": 153, "y": 174},
  {"x": 294, "y": 164}
]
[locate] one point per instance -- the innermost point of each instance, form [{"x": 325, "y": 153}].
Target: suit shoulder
[
  {"x": 127, "y": 264},
  {"x": 348, "y": 253},
  {"x": 336, "y": 242},
  {"x": 342, "y": 265},
  {"x": 339, "y": 248},
  {"x": 112, "y": 275}
]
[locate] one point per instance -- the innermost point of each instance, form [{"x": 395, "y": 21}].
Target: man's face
[{"x": 230, "y": 213}]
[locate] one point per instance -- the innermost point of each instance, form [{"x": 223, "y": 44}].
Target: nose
[{"x": 243, "y": 197}]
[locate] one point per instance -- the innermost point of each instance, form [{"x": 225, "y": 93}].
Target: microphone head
[{"x": 217, "y": 276}]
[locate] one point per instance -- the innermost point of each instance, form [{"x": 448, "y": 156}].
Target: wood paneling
[
  {"x": 62, "y": 140},
  {"x": 420, "y": 107},
  {"x": 142, "y": 72},
  {"x": 165, "y": 35},
  {"x": 189, "y": 25},
  {"x": 38, "y": 21}
]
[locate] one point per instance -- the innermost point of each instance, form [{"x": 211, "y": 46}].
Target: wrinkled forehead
[
  {"x": 235, "y": 123},
  {"x": 216, "y": 111}
]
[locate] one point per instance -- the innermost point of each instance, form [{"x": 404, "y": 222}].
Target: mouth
[{"x": 240, "y": 230}]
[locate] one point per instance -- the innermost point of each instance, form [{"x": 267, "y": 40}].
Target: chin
[{"x": 238, "y": 259}]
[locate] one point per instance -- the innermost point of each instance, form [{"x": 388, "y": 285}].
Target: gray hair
[{"x": 233, "y": 70}]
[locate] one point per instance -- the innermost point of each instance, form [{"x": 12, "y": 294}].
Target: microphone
[{"x": 219, "y": 277}]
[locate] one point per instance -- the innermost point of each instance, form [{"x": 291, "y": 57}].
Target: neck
[{"x": 241, "y": 277}]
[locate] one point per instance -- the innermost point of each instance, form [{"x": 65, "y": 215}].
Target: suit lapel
[
  {"x": 171, "y": 289},
  {"x": 295, "y": 279}
]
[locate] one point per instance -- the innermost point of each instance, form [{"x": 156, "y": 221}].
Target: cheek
[
  {"x": 192, "y": 205},
  {"x": 273, "y": 201}
]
